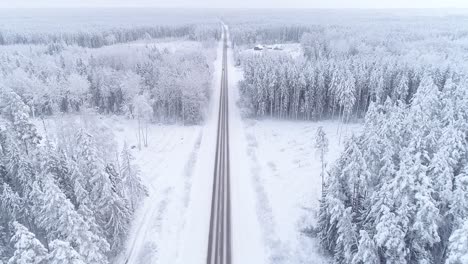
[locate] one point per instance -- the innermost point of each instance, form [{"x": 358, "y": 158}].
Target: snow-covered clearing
[{"x": 285, "y": 173}]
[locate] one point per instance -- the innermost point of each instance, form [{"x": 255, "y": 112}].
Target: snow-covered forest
[
  {"x": 60, "y": 78},
  {"x": 65, "y": 197},
  {"x": 398, "y": 191},
  {"x": 345, "y": 66},
  {"x": 68, "y": 190}
]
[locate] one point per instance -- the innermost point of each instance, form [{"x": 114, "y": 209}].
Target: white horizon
[{"x": 240, "y": 4}]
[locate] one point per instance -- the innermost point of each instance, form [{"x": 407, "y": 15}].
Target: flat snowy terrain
[{"x": 285, "y": 172}]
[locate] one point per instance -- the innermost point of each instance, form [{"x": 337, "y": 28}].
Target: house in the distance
[{"x": 258, "y": 47}]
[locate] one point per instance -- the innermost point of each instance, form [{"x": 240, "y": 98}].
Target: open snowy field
[
  {"x": 166, "y": 167},
  {"x": 285, "y": 172}
]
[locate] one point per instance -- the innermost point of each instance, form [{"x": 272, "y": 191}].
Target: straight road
[{"x": 219, "y": 240}]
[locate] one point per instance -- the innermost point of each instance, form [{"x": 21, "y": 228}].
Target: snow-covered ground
[
  {"x": 166, "y": 167},
  {"x": 285, "y": 172}
]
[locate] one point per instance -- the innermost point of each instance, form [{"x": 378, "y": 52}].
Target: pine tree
[
  {"x": 459, "y": 200},
  {"x": 11, "y": 204},
  {"x": 355, "y": 173},
  {"x": 13, "y": 109},
  {"x": 367, "y": 250},
  {"x": 458, "y": 249},
  {"x": 321, "y": 145},
  {"x": 346, "y": 242},
  {"x": 135, "y": 190},
  {"x": 390, "y": 235},
  {"x": 401, "y": 91},
  {"x": 57, "y": 216},
  {"x": 62, "y": 253},
  {"x": 28, "y": 250}
]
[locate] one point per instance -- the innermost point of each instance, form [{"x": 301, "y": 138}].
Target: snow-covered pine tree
[
  {"x": 401, "y": 91},
  {"x": 14, "y": 110},
  {"x": 458, "y": 248},
  {"x": 134, "y": 189},
  {"x": 346, "y": 241},
  {"x": 11, "y": 204},
  {"x": 367, "y": 251},
  {"x": 56, "y": 215},
  {"x": 330, "y": 206},
  {"x": 28, "y": 249},
  {"x": 321, "y": 146},
  {"x": 111, "y": 209},
  {"x": 62, "y": 253}
]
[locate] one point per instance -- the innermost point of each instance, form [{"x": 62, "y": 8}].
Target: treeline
[
  {"x": 343, "y": 66},
  {"x": 99, "y": 38},
  {"x": 59, "y": 78},
  {"x": 296, "y": 88},
  {"x": 65, "y": 198},
  {"x": 399, "y": 191}
]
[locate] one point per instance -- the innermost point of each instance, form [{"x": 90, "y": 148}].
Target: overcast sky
[{"x": 241, "y": 3}]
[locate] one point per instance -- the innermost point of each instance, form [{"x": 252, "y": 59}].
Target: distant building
[{"x": 258, "y": 47}]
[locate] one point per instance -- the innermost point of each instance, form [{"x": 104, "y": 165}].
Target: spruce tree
[
  {"x": 62, "y": 253},
  {"x": 28, "y": 250},
  {"x": 367, "y": 251},
  {"x": 134, "y": 189}
]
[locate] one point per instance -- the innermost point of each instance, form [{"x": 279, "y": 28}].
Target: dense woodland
[
  {"x": 343, "y": 68},
  {"x": 65, "y": 197},
  {"x": 58, "y": 78},
  {"x": 399, "y": 192},
  {"x": 97, "y": 39}
]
